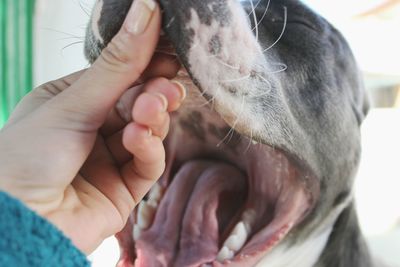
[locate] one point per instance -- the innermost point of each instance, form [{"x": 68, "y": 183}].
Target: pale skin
[{"x": 68, "y": 154}]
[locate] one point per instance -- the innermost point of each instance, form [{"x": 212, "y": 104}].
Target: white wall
[{"x": 59, "y": 24}]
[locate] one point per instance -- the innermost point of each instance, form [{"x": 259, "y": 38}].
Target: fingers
[
  {"x": 118, "y": 67},
  {"x": 143, "y": 137},
  {"x": 161, "y": 65},
  {"x": 148, "y": 163},
  {"x": 173, "y": 91},
  {"x": 122, "y": 113},
  {"x": 149, "y": 112}
]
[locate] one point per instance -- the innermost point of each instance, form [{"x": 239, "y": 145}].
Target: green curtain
[{"x": 16, "y": 27}]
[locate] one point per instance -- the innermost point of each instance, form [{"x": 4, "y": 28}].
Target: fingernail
[
  {"x": 181, "y": 88},
  {"x": 163, "y": 100},
  {"x": 139, "y": 16}
]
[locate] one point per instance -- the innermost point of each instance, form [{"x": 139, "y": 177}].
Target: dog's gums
[{"x": 262, "y": 155}]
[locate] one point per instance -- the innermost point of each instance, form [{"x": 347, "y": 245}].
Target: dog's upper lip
[{"x": 166, "y": 47}]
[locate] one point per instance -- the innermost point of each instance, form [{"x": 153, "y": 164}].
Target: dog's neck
[{"x": 346, "y": 245}]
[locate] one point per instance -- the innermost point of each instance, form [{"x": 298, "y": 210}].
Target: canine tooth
[
  {"x": 234, "y": 243},
  {"x": 248, "y": 217},
  {"x": 136, "y": 232},
  {"x": 254, "y": 142},
  {"x": 225, "y": 254},
  {"x": 145, "y": 215},
  {"x": 240, "y": 229}
]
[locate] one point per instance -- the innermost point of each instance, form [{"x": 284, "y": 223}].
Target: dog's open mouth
[
  {"x": 223, "y": 199},
  {"x": 208, "y": 209}
]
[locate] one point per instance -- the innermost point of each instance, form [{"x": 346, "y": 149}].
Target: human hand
[{"x": 67, "y": 153}]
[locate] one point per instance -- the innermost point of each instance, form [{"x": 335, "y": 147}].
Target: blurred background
[{"x": 43, "y": 40}]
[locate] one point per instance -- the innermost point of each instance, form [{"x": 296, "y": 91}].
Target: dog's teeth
[
  {"x": 136, "y": 232},
  {"x": 225, "y": 254},
  {"x": 237, "y": 238},
  {"x": 146, "y": 211},
  {"x": 248, "y": 217},
  {"x": 240, "y": 229},
  {"x": 152, "y": 203},
  {"x": 233, "y": 243},
  {"x": 155, "y": 193},
  {"x": 145, "y": 214},
  {"x": 254, "y": 142}
]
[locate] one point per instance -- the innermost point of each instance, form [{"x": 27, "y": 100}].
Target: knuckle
[
  {"x": 114, "y": 55},
  {"x": 53, "y": 88},
  {"x": 119, "y": 56}
]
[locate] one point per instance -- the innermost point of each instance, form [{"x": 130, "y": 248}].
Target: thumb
[{"x": 120, "y": 64}]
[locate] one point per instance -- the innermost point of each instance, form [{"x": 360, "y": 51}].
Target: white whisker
[
  {"x": 226, "y": 64},
  {"x": 255, "y": 18},
  {"x": 283, "y": 31},
  {"x": 237, "y": 79},
  {"x": 263, "y": 16},
  {"x": 264, "y": 79},
  {"x": 170, "y": 22},
  {"x": 283, "y": 65},
  {"x": 209, "y": 101},
  {"x": 234, "y": 124},
  {"x": 253, "y": 10},
  {"x": 250, "y": 141}
]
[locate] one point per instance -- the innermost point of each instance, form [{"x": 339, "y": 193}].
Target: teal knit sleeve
[{"x": 26, "y": 239}]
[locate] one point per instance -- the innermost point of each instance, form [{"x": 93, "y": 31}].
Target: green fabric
[
  {"x": 16, "y": 26},
  {"x": 27, "y": 239}
]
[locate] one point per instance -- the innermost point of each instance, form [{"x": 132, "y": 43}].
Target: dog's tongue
[{"x": 186, "y": 228}]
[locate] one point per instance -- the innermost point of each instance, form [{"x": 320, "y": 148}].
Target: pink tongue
[{"x": 185, "y": 231}]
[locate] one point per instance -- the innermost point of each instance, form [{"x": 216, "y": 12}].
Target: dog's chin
[{"x": 224, "y": 198}]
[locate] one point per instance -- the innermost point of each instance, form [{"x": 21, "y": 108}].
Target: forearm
[{"x": 26, "y": 239}]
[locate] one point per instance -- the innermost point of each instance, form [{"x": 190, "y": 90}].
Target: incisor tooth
[
  {"x": 145, "y": 215},
  {"x": 225, "y": 254}
]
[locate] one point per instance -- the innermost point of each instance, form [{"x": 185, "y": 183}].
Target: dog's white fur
[{"x": 95, "y": 20}]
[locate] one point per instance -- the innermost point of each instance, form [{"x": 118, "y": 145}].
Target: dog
[{"x": 261, "y": 158}]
